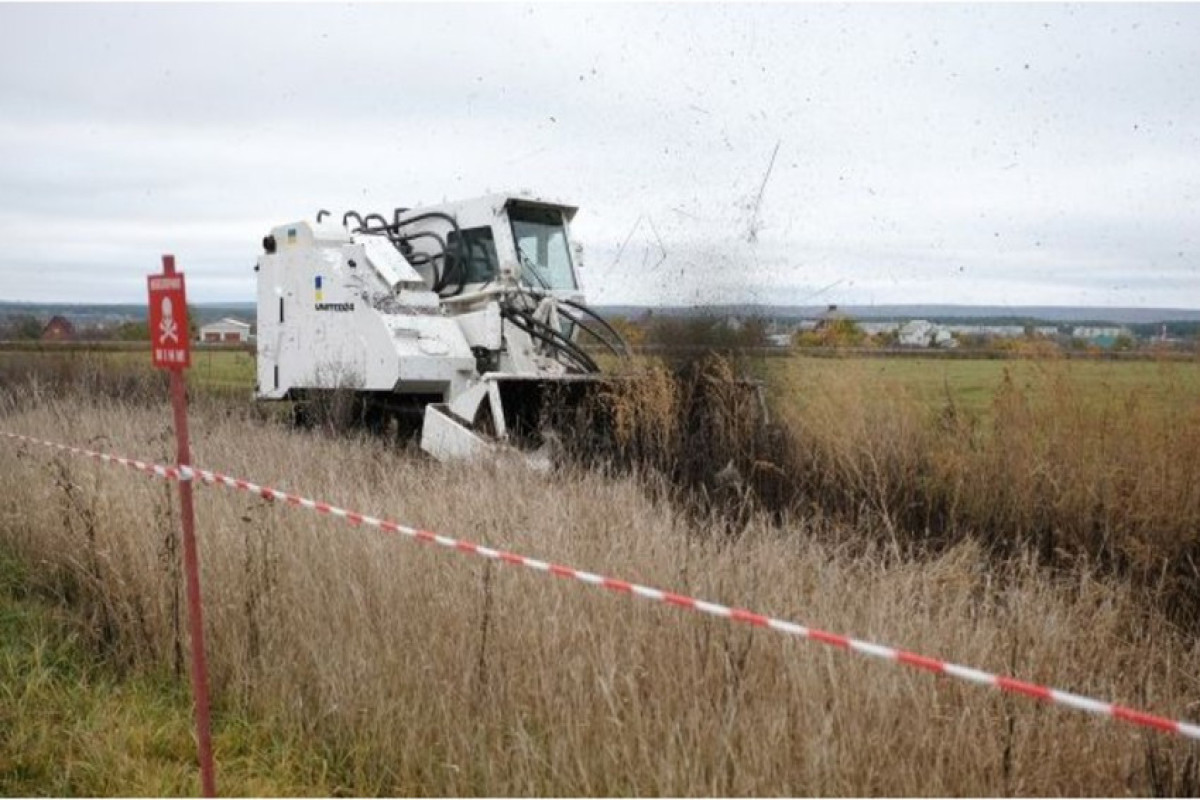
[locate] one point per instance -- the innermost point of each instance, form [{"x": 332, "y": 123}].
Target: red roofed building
[{"x": 58, "y": 329}]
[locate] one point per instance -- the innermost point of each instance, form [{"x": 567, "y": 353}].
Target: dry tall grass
[
  {"x": 420, "y": 671},
  {"x": 1058, "y": 466},
  {"x": 1072, "y": 470}
]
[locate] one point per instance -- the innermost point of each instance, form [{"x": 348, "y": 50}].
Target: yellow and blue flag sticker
[{"x": 320, "y": 294}]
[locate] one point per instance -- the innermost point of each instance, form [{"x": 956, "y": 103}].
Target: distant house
[
  {"x": 922, "y": 333},
  {"x": 916, "y": 333},
  {"x": 225, "y": 330},
  {"x": 58, "y": 329},
  {"x": 944, "y": 339}
]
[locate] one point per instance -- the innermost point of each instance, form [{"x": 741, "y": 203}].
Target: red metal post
[{"x": 191, "y": 568}]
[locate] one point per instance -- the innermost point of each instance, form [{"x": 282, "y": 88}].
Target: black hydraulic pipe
[
  {"x": 593, "y": 315},
  {"x": 584, "y": 327},
  {"x": 547, "y": 334},
  {"x": 463, "y": 254}
]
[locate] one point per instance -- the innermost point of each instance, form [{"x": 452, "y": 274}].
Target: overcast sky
[{"x": 1000, "y": 154}]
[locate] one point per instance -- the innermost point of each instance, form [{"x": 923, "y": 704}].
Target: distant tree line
[
  {"x": 671, "y": 331},
  {"x": 21, "y": 327},
  {"x": 29, "y": 327}
]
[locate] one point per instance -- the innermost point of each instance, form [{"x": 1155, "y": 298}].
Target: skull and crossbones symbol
[{"x": 168, "y": 328}]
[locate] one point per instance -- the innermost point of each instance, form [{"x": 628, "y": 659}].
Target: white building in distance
[
  {"x": 225, "y": 330},
  {"x": 922, "y": 333}
]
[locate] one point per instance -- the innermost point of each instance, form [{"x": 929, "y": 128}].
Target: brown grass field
[{"x": 1048, "y": 531}]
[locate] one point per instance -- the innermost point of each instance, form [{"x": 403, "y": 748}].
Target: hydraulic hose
[
  {"x": 580, "y": 361},
  {"x": 367, "y": 220},
  {"x": 420, "y": 259},
  {"x": 546, "y": 334},
  {"x": 463, "y": 254},
  {"x": 603, "y": 322},
  {"x": 442, "y": 277},
  {"x": 586, "y": 329}
]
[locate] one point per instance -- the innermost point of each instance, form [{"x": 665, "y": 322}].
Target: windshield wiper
[{"x": 526, "y": 261}]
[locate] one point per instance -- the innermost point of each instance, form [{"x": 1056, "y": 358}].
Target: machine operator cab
[{"x": 471, "y": 249}]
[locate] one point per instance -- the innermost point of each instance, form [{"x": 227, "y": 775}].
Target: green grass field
[
  {"x": 972, "y": 383},
  {"x": 223, "y": 369},
  {"x": 73, "y": 724}
]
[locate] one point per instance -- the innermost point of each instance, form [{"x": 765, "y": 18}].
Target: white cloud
[{"x": 992, "y": 154}]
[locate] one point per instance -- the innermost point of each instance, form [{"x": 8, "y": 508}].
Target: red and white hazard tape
[
  {"x": 1005, "y": 684},
  {"x": 150, "y": 468}
]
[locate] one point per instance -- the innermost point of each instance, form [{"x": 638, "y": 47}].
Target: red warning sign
[{"x": 169, "y": 344}]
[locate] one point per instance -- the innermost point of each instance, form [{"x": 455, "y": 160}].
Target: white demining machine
[{"x": 457, "y": 320}]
